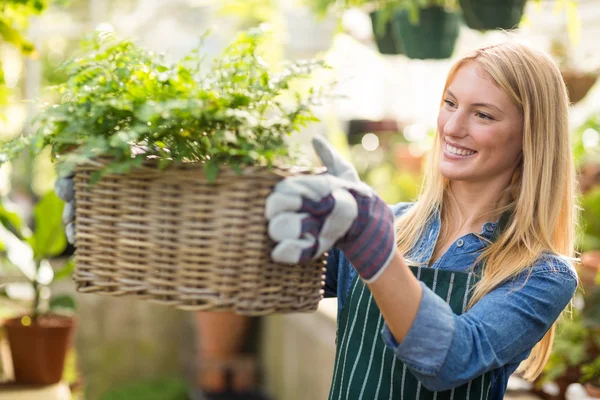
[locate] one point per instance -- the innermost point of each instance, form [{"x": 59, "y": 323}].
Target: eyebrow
[{"x": 488, "y": 105}]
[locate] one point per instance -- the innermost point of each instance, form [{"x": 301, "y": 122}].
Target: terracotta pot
[
  {"x": 590, "y": 267},
  {"x": 592, "y": 390},
  {"x": 38, "y": 351}
]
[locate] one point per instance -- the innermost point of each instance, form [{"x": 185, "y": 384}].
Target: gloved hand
[
  {"x": 65, "y": 190},
  {"x": 310, "y": 214}
]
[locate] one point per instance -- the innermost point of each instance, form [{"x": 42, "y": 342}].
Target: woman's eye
[
  {"x": 484, "y": 116},
  {"x": 449, "y": 103}
]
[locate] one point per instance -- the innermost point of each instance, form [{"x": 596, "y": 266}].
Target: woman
[{"x": 445, "y": 298}]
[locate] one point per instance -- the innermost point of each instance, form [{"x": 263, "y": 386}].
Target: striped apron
[{"x": 366, "y": 369}]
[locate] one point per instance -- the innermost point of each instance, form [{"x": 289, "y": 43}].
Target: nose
[{"x": 456, "y": 125}]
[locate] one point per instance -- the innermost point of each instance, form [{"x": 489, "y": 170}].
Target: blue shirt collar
[{"x": 423, "y": 249}]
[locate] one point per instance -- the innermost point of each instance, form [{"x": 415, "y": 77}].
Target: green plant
[
  {"x": 591, "y": 372},
  {"x": 150, "y": 389},
  {"x": 14, "y": 15},
  {"x": 386, "y": 7},
  {"x": 590, "y": 217},
  {"x": 14, "y": 20},
  {"x": 586, "y": 141},
  {"x": 128, "y": 104},
  {"x": 29, "y": 251},
  {"x": 569, "y": 351}
]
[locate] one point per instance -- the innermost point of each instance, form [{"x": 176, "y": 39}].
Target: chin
[{"x": 453, "y": 175}]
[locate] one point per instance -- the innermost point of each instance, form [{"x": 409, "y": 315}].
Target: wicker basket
[{"x": 172, "y": 238}]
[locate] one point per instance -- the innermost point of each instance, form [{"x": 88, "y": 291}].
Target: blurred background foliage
[{"x": 383, "y": 119}]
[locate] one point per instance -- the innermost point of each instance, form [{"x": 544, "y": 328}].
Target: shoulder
[
  {"x": 549, "y": 263},
  {"x": 400, "y": 208}
]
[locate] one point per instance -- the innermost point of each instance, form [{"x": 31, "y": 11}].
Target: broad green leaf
[
  {"x": 49, "y": 237},
  {"x": 11, "y": 221}
]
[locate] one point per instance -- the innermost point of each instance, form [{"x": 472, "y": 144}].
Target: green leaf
[
  {"x": 211, "y": 170},
  {"x": 12, "y": 222},
  {"x": 66, "y": 271},
  {"x": 63, "y": 302},
  {"x": 48, "y": 237}
]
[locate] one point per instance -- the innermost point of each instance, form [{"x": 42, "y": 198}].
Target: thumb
[{"x": 336, "y": 165}]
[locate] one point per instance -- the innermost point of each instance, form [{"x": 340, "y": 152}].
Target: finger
[
  {"x": 278, "y": 203},
  {"x": 64, "y": 188},
  {"x": 313, "y": 187},
  {"x": 281, "y": 202},
  {"x": 294, "y": 251},
  {"x": 70, "y": 232},
  {"x": 68, "y": 214},
  {"x": 316, "y": 187},
  {"x": 334, "y": 162},
  {"x": 292, "y": 225},
  {"x": 339, "y": 221}
]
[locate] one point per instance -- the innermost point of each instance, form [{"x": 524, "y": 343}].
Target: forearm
[{"x": 397, "y": 293}]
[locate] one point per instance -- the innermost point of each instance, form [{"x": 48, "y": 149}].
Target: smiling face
[{"x": 480, "y": 129}]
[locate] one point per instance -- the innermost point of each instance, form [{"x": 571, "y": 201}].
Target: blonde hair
[{"x": 541, "y": 194}]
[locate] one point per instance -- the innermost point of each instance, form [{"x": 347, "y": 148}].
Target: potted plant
[
  {"x": 429, "y": 31},
  {"x": 385, "y": 26},
  {"x": 40, "y": 339},
  {"x": 419, "y": 29},
  {"x": 492, "y": 14},
  {"x": 129, "y": 104},
  {"x": 386, "y": 32},
  {"x": 173, "y": 163}
]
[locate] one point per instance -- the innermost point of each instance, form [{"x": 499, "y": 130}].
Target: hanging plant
[
  {"x": 435, "y": 34},
  {"x": 386, "y": 31},
  {"x": 421, "y": 29},
  {"x": 492, "y": 14},
  {"x": 119, "y": 96}
]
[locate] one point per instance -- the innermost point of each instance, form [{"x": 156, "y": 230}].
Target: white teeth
[{"x": 458, "y": 151}]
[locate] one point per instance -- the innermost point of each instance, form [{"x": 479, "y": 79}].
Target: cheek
[{"x": 509, "y": 148}]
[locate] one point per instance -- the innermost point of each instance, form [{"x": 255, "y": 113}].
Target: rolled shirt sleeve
[{"x": 444, "y": 350}]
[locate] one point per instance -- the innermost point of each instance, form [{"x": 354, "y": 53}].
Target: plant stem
[{"x": 36, "y": 291}]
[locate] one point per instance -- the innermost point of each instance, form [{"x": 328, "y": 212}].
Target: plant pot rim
[
  {"x": 65, "y": 321},
  {"x": 592, "y": 389}
]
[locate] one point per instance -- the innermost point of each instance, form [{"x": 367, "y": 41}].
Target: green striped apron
[{"x": 366, "y": 369}]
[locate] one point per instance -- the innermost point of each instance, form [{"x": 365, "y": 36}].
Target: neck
[{"x": 471, "y": 204}]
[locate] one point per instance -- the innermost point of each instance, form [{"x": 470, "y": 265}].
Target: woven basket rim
[{"x": 282, "y": 170}]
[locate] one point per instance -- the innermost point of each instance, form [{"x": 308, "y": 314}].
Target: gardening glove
[
  {"x": 65, "y": 190},
  {"x": 310, "y": 214}
]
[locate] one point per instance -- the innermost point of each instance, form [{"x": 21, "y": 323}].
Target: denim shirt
[{"x": 444, "y": 350}]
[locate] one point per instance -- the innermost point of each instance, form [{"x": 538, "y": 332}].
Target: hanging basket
[
  {"x": 492, "y": 14},
  {"x": 387, "y": 34},
  {"x": 433, "y": 37},
  {"x": 578, "y": 84},
  {"x": 171, "y": 237}
]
